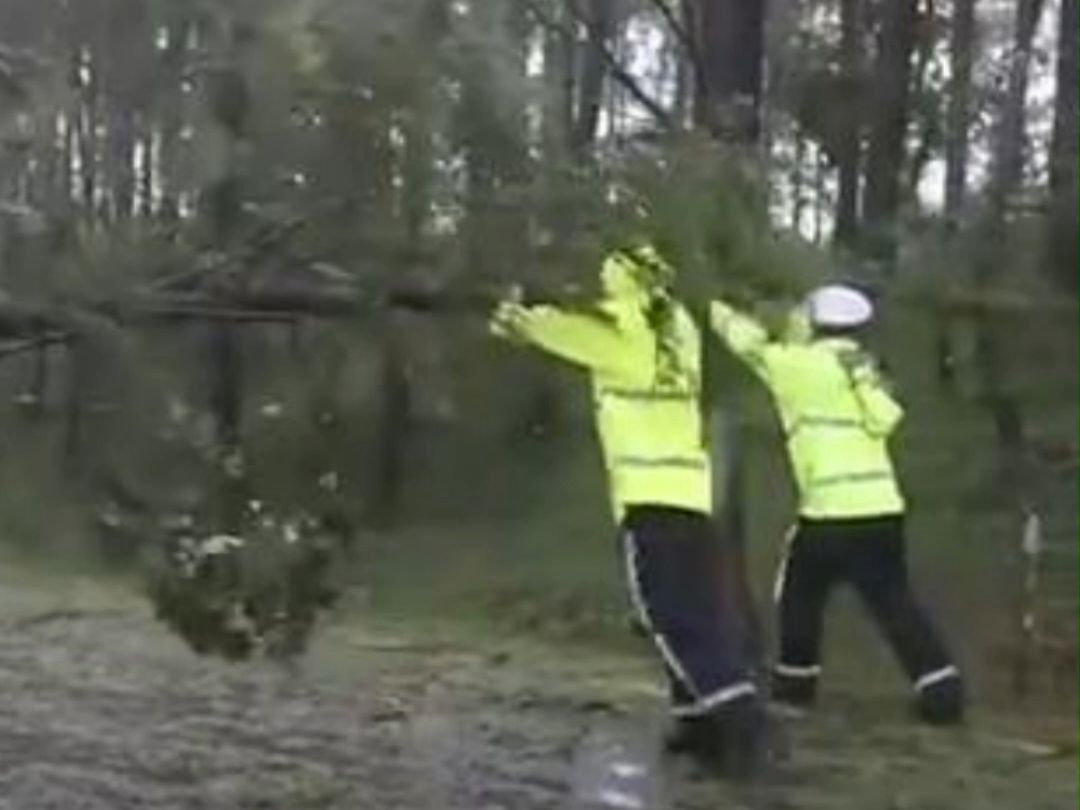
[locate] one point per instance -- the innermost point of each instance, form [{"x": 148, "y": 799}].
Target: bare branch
[
  {"x": 680, "y": 30},
  {"x": 15, "y": 347},
  {"x": 618, "y": 72}
]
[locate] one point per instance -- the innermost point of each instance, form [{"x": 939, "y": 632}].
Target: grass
[
  {"x": 547, "y": 566},
  {"x": 506, "y": 543}
]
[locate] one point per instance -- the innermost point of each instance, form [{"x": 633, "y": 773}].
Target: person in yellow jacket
[
  {"x": 642, "y": 350},
  {"x": 837, "y": 415}
]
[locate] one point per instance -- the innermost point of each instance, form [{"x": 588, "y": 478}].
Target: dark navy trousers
[
  {"x": 676, "y": 581},
  {"x": 869, "y": 554}
]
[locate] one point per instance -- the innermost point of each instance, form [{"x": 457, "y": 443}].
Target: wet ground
[{"x": 101, "y": 710}]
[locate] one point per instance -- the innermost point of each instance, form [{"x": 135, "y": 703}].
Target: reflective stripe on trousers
[
  {"x": 674, "y": 598},
  {"x": 630, "y": 556},
  {"x": 782, "y": 567},
  {"x": 937, "y": 676}
]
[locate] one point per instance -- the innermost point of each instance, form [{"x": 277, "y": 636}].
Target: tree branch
[
  {"x": 44, "y": 341},
  {"x": 682, "y": 34},
  {"x": 618, "y": 72}
]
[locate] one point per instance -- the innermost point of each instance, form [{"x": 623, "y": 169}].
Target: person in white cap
[{"x": 837, "y": 416}]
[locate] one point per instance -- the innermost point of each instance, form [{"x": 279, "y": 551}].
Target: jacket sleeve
[
  {"x": 582, "y": 339},
  {"x": 745, "y": 336},
  {"x": 881, "y": 413}
]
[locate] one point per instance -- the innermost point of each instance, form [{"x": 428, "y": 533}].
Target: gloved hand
[
  {"x": 508, "y": 319},
  {"x": 859, "y": 365}
]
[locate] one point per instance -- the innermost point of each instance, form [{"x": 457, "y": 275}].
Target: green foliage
[
  {"x": 239, "y": 596},
  {"x": 401, "y": 141},
  {"x": 705, "y": 206}
]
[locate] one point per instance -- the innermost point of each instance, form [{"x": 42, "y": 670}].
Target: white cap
[{"x": 838, "y": 305}]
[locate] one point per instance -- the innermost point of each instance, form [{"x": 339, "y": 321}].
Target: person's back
[
  {"x": 643, "y": 356},
  {"x": 643, "y": 352},
  {"x": 836, "y": 413},
  {"x": 648, "y": 415},
  {"x": 837, "y": 416}
]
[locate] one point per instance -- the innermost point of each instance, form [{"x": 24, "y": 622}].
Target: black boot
[
  {"x": 941, "y": 703},
  {"x": 736, "y": 741},
  {"x": 796, "y": 691},
  {"x": 697, "y": 737},
  {"x": 752, "y": 740}
]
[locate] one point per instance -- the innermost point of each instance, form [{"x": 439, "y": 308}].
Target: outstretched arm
[
  {"x": 743, "y": 334},
  {"x": 584, "y": 339}
]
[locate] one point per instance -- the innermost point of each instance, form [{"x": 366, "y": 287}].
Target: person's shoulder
[
  {"x": 814, "y": 352},
  {"x": 794, "y": 354}
]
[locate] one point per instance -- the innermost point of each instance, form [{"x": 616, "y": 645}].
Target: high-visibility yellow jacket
[
  {"x": 836, "y": 415},
  {"x": 649, "y": 423}
]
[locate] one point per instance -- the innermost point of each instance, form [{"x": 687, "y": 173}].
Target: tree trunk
[
  {"x": 1008, "y": 167},
  {"x": 224, "y": 212},
  {"x": 958, "y": 116},
  {"x": 168, "y": 117},
  {"x": 418, "y": 168},
  {"x": 493, "y": 143},
  {"x": 73, "y": 408},
  {"x": 730, "y": 38},
  {"x": 600, "y": 24},
  {"x": 729, "y": 43},
  {"x": 395, "y": 400},
  {"x": 87, "y": 118},
  {"x": 998, "y": 392},
  {"x": 146, "y": 176},
  {"x": 559, "y": 88},
  {"x": 121, "y": 165},
  {"x": 798, "y": 196},
  {"x": 927, "y": 112},
  {"x": 1062, "y": 233},
  {"x": 683, "y": 73},
  {"x": 849, "y": 143},
  {"x": 885, "y": 161},
  {"x": 558, "y": 128},
  {"x": 821, "y": 202}
]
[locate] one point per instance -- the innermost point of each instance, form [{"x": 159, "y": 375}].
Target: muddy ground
[{"x": 101, "y": 710}]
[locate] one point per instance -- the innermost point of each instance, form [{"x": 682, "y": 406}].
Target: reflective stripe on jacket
[
  {"x": 836, "y": 415},
  {"x": 649, "y": 423}
]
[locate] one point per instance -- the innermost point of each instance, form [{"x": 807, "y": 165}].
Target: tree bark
[
  {"x": 600, "y": 24},
  {"x": 395, "y": 400},
  {"x": 418, "y": 170},
  {"x": 559, "y": 88},
  {"x": 730, "y": 37},
  {"x": 998, "y": 390},
  {"x": 689, "y": 67},
  {"x": 927, "y": 113},
  {"x": 1008, "y": 167},
  {"x": 885, "y": 160},
  {"x": 798, "y": 201},
  {"x": 958, "y": 115},
  {"x": 1062, "y": 230},
  {"x": 560, "y": 59},
  {"x": 87, "y": 117},
  {"x": 168, "y": 116},
  {"x": 821, "y": 202},
  {"x": 849, "y": 145}
]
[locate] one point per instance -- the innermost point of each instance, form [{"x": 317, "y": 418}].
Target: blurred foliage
[
  {"x": 414, "y": 143},
  {"x": 242, "y": 596}
]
